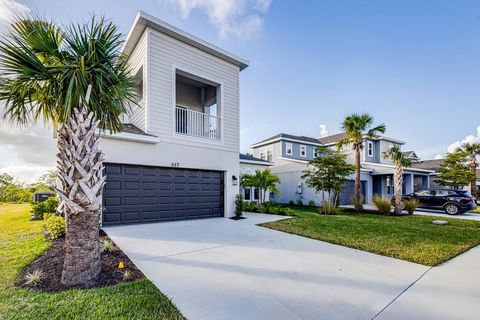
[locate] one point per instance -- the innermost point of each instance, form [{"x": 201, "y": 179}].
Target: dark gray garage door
[
  {"x": 139, "y": 194},
  {"x": 348, "y": 191}
]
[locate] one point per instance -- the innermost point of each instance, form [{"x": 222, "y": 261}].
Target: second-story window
[
  {"x": 315, "y": 152},
  {"x": 288, "y": 149},
  {"x": 263, "y": 155},
  {"x": 138, "y": 80},
  {"x": 370, "y": 148},
  {"x": 270, "y": 155},
  {"x": 303, "y": 151}
]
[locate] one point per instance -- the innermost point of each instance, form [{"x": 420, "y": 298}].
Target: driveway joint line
[{"x": 401, "y": 293}]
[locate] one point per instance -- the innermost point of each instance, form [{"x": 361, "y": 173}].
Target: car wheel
[{"x": 452, "y": 209}]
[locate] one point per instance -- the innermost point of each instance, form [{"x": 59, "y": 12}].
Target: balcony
[{"x": 196, "y": 124}]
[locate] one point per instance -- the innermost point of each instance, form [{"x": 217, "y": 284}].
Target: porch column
[{"x": 412, "y": 184}]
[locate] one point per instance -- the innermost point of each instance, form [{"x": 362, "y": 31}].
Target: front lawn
[
  {"x": 22, "y": 240},
  {"x": 411, "y": 238}
]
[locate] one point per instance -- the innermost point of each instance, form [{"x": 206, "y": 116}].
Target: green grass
[
  {"x": 21, "y": 241},
  {"x": 411, "y": 238}
]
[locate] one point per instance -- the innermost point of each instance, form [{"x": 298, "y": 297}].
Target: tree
[
  {"x": 327, "y": 173},
  {"x": 49, "y": 179},
  {"x": 455, "y": 171},
  {"x": 263, "y": 180},
  {"x": 473, "y": 151},
  {"x": 75, "y": 78},
  {"x": 358, "y": 127},
  {"x": 400, "y": 161}
]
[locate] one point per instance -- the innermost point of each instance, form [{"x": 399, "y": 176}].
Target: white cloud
[
  {"x": 240, "y": 18},
  {"x": 9, "y": 9},
  {"x": 323, "y": 130},
  {"x": 468, "y": 139},
  {"x": 26, "y": 174}
]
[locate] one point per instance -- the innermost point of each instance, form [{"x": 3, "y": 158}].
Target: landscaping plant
[
  {"x": 107, "y": 245},
  {"x": 384, "y": 206},
  {"x": 455, "y": 170},
  {"x": 327, "y": 174},
  {"x": 55, "y": 225},
  {"x": 358, "y": 127},
  {"x": 238, "y": 206},
  {"x": 34, "y": 278},
  {"x": 76, "y": 79},
  {"x": 400, "y": 161},
  {"x": 263, "y": 180},
  {"x": 39, "y": 209},
  {"x": 411, "y": 205}
]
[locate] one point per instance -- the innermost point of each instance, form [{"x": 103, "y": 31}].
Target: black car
[{"x": 450, "y": 200}]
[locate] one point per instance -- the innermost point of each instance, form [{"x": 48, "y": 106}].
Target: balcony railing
[{"x": 197, "y": 124}]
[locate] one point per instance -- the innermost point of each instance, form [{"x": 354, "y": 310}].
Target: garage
[
  {"x": 141, "y": 194},
  {"x": 346, "y": 195}
]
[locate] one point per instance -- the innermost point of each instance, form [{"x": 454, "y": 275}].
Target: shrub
[
  {"x": 289, "y": 211},
  {"x": 250, "y": 207},
  {"x": 354, "y": 201},
  {"x": 34, "y": 278},
  {"x": 261, "y": 208},
  {"x": 411, "y": 205},
  {"x": 127, "y": 275},
  {"x": 311, "y": 203},
  {"x": 107, "y": 245},
  {"x": 291, "y": 203},
  {"x": 55, "y": 225},
  {"x": 299, "y": 202},
  {"x": 384, "y": 206},
  {"x": 40, "y": 208},
  {"x": 238, "y": 206},
  {"x": 328, "y": 208}
]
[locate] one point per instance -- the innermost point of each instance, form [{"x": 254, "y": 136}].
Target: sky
[{"x": 413, "y": 65}]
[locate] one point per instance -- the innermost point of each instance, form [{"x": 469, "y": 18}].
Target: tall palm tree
[
  {"x": 263, "y": 180},
  {"x": 473, "y": 151},
  {"x": 358, "y": 127},
  {"x": 400, "y": 161},
  {"x": 76, "y": 79}
]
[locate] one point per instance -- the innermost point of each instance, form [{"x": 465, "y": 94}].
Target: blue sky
[{"x": 414, "y": 65}]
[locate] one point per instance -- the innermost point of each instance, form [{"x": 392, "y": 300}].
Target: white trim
[
  {"x": 286, "y": 148},
  {"x": 393, "y": 167},
  {"x": 207, "y": 77},
  {"x": 148, "y": 72},
  {"x": 262, "y": 163},
  {"x": 128, "y": 136},
  {"x": 303, "y": 148},
  {"x": 294, "y": 160},
  {"x": 144, "y": 20}
]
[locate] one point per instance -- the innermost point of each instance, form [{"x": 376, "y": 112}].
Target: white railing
[{"x": 196, "y": 124}]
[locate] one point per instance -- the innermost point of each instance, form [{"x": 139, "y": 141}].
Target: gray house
[{"x": 290, "y": 155}]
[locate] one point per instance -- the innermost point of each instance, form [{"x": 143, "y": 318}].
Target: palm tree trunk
[
  {"x": 473, "y": 183},
  {"x": 398, "y": 189},
  {"x": 358, "y": 195},
  {"x": 80, "y": 168}
]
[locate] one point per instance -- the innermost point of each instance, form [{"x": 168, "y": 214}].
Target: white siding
[
  {"x": 165, "y": 54},
  {"x": 137, "y": 59}
]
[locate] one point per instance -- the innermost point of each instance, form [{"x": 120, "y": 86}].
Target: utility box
[{"x": 42, "y": 196}]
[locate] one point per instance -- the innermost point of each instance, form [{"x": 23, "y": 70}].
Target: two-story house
[
  {"x": 178, "y": 156},
  {"x": 290, "y": 155}
]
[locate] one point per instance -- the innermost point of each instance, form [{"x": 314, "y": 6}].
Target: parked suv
[{"x": 450, "y": 200}]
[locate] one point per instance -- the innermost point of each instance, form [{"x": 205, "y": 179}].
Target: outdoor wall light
[{"x": 234, "y": 180}]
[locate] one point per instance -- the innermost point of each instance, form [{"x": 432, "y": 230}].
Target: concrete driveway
[
  {"x": 441, "y": 214},
  {"x": 224, "y": 269}
]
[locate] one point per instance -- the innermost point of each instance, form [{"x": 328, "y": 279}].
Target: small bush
[
  {"x": 328, "y": 208},
  {"x": 55, "y": 225},
  {"x": 127, "y": 275},
  {"x": 34, "y": 278},
  {"x": 288, "y": 211},
  {"x": 291, "y": 203},
  {"x": 384, "y": 206},
  {"x": 311, "y": 203},
  {"x": 38, "y": 210},
  {"x": 357, "y": 204},
  {"x": 411, "y": 205},
  {"x": 250, "y": 207},
  {"x": 239, "y": 206},
  {"x": 107, "y": 245},
  {"x": 261, "y": 208}
]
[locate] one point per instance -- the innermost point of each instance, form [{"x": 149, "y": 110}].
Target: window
[
  {"x": 270, "y": 155},
  {"x": 315, "y": 152},
  {"x": 288, "y": 149},
  {"x": 303, "y": 151},
  {"x": 256, "y": 194},
  {"x": 138, "y": 82},
  {"x": 247, "y": 194},
  {"x": 263, "y": 155},
  {"x": 389, "y": 185},
  {"x": 370, "y": 148}
]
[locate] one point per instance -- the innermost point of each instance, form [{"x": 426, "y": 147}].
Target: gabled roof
[
  {"x": 130, "y": 128},
  {"x": 144, "y": 20},
  {"x": 410, "y": 154},
  {"x": 288, "y": 137},
  {"x": 433, "y": 164},
  {"x": 333, "y": 138}
]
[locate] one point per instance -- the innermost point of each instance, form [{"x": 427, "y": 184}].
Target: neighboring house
[
  {"x": 290, "y": 155},
  {"x": 178, "y": 156},
  {"x": 432, "y": 165},
  {"x": 248, "y": 165}
]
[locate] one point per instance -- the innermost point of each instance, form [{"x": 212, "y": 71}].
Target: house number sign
[{"x": 175, "y": 165}]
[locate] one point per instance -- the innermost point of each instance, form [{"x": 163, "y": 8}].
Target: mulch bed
[{"x": 51, "y": 263}]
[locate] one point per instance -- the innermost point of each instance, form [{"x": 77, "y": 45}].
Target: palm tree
[
  {"x": 358, "y": 127},
  {"x": 473, "y": 151},
  {"x": 263, "y": 180},
  {"x": 76, "y": 79},
  {"x": 400, "y": 161}
]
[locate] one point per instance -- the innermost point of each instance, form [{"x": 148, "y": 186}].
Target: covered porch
[{"x": 383, "y": 182}]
